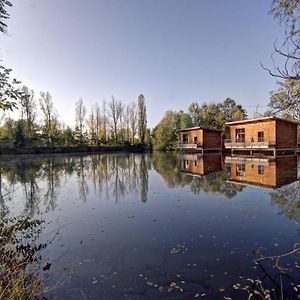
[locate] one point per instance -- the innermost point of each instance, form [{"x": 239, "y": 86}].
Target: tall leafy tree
[
  {"x": 80, "y": 113},
  {"x": 142, "y": 118},
  {"x": 50, "y": 118}
]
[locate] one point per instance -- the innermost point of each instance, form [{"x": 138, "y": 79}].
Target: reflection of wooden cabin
[
  {"x": 195, "y": 164},
  {"x": 271, "y": 173},
  {"x": 264, "y": 134},
  {"x": 200, "y": 139}
]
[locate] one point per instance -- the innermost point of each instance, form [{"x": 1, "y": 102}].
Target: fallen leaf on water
[{"x": 46, "y": 267}]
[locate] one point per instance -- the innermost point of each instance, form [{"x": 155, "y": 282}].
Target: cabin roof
[
  {"x": 198, "y": 127},
  {"x": 261, "y": 120}
]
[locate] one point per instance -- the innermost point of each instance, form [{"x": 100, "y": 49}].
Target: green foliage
[
  {"x": 207, "y": 115},
  {"x": 287, "y": 12},
  {"x": 286, "y": 100},
  {"x": 19, "y": 135},
  {"x": 215, "y": 115},
  {"x": 4, "y": 15},
  {"x": 142, "y": 119},
  {"x": 165, "y": 133},
  {"x": 10, "y": 91},
  {"x": 19, "y": 258}
]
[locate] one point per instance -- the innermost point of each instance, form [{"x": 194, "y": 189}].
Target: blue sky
[{"x": 174, "y": 52}]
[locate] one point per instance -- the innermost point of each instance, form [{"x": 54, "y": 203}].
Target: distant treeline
[
  {"x": 208, "y": 115},
  {"x": 108, "y": 123}
]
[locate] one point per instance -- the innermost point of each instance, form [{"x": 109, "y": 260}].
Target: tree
[
  {"x": 50, "y": 118},
  {"x": 287, "y": 12},
  {"x": 142, "y": 118},
  {"x": 116, "y": 111},
  {"x": 165, "y": 133},
  {"x": 195, "y": 113},
  {"x": 19, "y": 135},
  {"x": 133, "y": 121},
  {"x": 286, "y": 100},
  {"x": 92, "y": 122},
  {"x": 4, "y": 15},
  {"x": 28, "y": 109},
  {"x": 9, "y": 88},
  {"x": 80, "y": 112}
]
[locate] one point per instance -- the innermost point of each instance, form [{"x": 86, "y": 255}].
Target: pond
[{"x": 161, "y": 225}]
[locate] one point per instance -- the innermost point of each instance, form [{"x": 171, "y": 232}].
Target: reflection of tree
[
  {"x": 143, "y": 179},
  {"x": 287, "y": 198},
  {"x": 81, "y": 170},
  {"x": 215, "y": 183},
  {"x": 111, "y": 175},
  {"x": 52, "y": 173},
  {"x": 169, "y": 167}
]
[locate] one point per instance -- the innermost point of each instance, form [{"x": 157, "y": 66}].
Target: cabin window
[
  {"x": 185, "y": 138},
  {"x": 186, "y": 164},
  {"x": 260, "y": 136},
  {"x": 195, "y": 140},
  {"x": 240, "y": 170},
  {"x": 261, "y": 170},
  {"x": 240, "y": 135}
]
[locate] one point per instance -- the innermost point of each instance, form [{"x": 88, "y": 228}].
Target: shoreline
[{"x": 75, "y": 149}]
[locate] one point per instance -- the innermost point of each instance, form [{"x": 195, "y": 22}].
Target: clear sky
[{"x": 174, "y": 52}]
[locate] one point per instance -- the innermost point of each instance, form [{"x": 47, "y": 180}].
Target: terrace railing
[
  {"x": 247, "y": 145},
  {"x": 189, "y": 145}
]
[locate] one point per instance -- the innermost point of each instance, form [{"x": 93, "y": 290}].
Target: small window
[
  {"x": 195, "y": 140},
  {"x": 196, "y": 163},
  {"x": 240, "y": 135},
  {"x": 185, "y": 138},
  {"x": 260, "y": 136},
  {"x": 261, "y": 170},
  {"x": 240, "y": 170}
]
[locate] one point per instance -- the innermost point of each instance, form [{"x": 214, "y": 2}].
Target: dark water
[{"x": 158, "y": 226}]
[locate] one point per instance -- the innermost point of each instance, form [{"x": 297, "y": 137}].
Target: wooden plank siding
[
  {"x": 267, "y": 173},
  {"x": 252, "y": 129},
  {"x": 278, "y": 135},
  {"x": 286, "y": 135},
  {"x": 207, "y": 139}
]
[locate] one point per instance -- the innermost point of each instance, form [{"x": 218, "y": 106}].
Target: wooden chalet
[
  {"x": 270, "y": 134},
  {"x": 199, "y": 165},
  {"x": 199, "y": 139},
  {"x": 266, "y": 172}
]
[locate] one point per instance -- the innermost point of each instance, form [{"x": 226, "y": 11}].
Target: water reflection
[
  {"x": 134, "y": 221},
  {"x": 42, "y": 179},
  {"x": 266, "y": 172},
  {"x": 196, "y": 164},
  {"x": 199, "y": 173}
]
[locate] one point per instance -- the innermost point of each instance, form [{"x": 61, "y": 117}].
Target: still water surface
[{"x": 158, "y": 226}]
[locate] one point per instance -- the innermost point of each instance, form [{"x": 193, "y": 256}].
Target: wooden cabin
[
  {"x": 264, "y": 134},
  {"x": 199, "y": 165},
  {"x": 265, "y": 172},
  {"x": 199, "y": 139}
]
